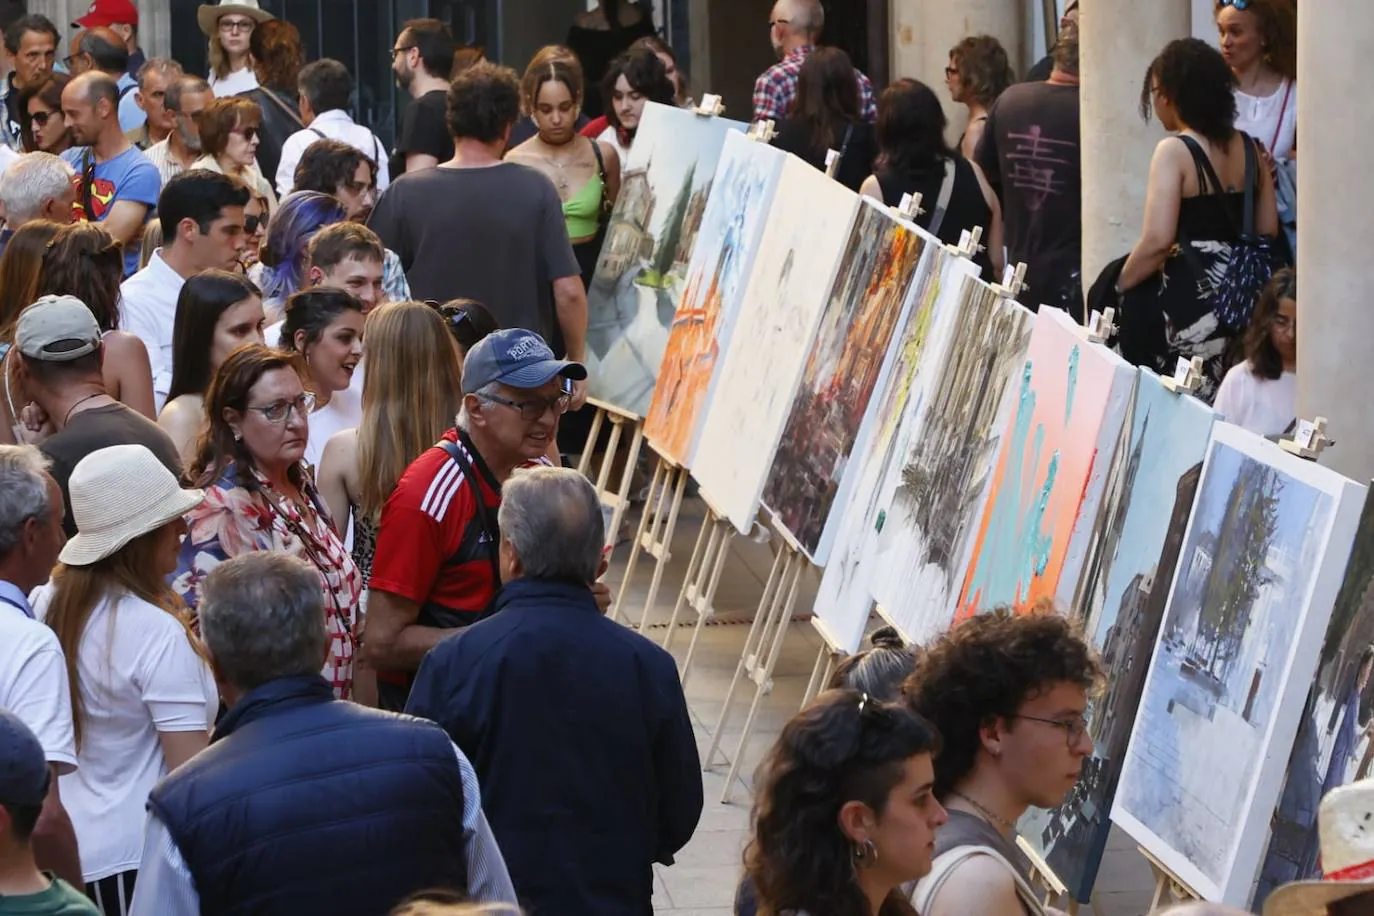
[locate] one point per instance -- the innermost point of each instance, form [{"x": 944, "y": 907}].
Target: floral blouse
[{"x": 235, "y": 520}]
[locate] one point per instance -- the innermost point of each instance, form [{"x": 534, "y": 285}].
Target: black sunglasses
[
  {"x": 248, "y": 133},
  {"x": 251, "y": 222},
  {"x": 41, "y": 118}
]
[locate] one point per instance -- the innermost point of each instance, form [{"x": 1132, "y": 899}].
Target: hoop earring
[{"x": 865, "y": 854}]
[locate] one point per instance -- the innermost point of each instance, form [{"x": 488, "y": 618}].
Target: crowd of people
[{"x": 288, "y": 557}]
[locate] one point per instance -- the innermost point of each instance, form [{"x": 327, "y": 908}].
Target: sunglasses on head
[{"x": 1238, "y": 4}]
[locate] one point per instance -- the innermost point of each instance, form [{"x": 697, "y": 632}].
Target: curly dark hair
[
  {"x": 483, "y": 102},
  {"x": 984, "y": 70},
  {"x": 911, "y": 128},
  {"x": 985, "y": 668},
  {"x": 879, "y": 671},
  {"x": 277, "y": 54},
  {"x": 1264, "y": 357},
  {"x": 844, "y": 747},
  {"x": 646, "y": 75},
  {"x": 1194, "y": 77},
  {"x": 328, "y": 164},
  {"x": 1278, "y": 27}
]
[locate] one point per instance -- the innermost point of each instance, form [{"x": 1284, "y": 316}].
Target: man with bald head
[
  {"x": 116, "y": 185},
  {"x": 794, "y": 27},
  {"x": 103, "y": 49}
]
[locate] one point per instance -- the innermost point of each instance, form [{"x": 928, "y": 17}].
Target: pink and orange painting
[{"x": 1051, "y": 473}]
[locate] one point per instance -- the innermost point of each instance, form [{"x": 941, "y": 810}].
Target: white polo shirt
[
  {"x": 33, "y": 678},
  {"x": 335, "y": 124},
  {"x": 148, "y": 310}
]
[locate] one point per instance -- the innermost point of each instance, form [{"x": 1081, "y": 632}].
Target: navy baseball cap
[
  {"x": 23, "y": 765},
  {"x": 517, "y": 358}
]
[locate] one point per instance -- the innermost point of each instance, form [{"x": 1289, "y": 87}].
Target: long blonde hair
[
  {"x": 411, "y": 394},
  {"x": 78, "y": 590}
]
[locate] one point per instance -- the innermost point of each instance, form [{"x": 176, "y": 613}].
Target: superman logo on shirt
[{"x": 102, "y": 198}]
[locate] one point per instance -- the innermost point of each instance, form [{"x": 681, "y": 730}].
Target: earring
[
  {"x": 238, "y": 437},
  {"x": 865, "y": 854}
]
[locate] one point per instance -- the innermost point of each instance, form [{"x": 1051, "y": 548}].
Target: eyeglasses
[
  {"x": 534, "y": 408},
  {"x": 772, "y": 23},
  {"x": 249, "y": 134},
  {"x": 251, "y": 222},
  {"x": 41, "y": 118},
  {"x": 236, "y": 25},
  {"x": 1074, "y": 729},
  {"x": 401, "y": 50},
  {"x": 951, "y": 72},
  {"x": 71, "y": 59},
  {"x": 278, "y": 412}
]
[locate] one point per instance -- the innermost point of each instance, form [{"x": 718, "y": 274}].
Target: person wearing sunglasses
[
  {"x": 435, "y": 567},
  {"x": 229, "y": 143},
  {"x": 1259, "y": 40},
  {"x": 40, "y": 116},
  {"x": 1008, "y": 695},
  {"x": 260, "y": 495}
]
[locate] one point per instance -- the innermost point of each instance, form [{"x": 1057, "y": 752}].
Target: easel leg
[
  {"x": 708, "y": 600},
  {"x": 637, "y": 545},
  {"x": 819, "y": 674},
  {"x": 603, "y": 474},
  {"x": 700, "y": 552},
  {"x": 661, "y": 533},
  {"x": 584, "y": 463},
  {"x": 782, "y": 617},
  {"x": 775, "y": 577},
  {"x": 622, "y": 499}
]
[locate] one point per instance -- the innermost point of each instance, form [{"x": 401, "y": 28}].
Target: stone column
[
  {"x": 923, "y": 31},
  {"x": 1117, "y": 41},
  {"x": 1335, "y": 319}
]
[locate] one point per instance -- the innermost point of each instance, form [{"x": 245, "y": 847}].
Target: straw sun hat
[
  {"x": 208, "y": 15},
  {"x": 1345, "y": 823},
  {"x": 117, "y": 494}
]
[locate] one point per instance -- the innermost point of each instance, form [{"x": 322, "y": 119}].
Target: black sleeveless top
[{"x": 967, "y": 206}]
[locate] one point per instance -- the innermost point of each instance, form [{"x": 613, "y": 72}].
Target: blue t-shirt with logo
[{"x": 129, "y": 176}]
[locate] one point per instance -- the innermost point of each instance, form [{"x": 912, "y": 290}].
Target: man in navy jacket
[{"x": 576, "y": 725}]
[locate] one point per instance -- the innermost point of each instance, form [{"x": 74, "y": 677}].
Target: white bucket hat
[
  {"x": 117, "y": 494},
  {"x": 1345, "y": 824},
  {"x": 208, "y": 15}
]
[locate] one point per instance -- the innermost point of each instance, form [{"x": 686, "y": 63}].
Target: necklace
[
  {"x": 989, "y": 816},
  {"x": 72, "y": 409}
]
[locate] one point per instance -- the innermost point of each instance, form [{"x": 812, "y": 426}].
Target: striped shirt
[{"x": 165, "y": 886}]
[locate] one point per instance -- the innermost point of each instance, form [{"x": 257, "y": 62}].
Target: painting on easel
[
  {"x": 664, "y": 188},
  {"x": 1161, "y": 464},
  {"x": 1261, "y": 565},
  {"x": 1335, "y": 743},
  {"x": 849, "y": 361},
  {"x": 731, "y": 232}
]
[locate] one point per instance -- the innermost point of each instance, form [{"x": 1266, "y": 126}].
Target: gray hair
[
  {"x": 552, "y": 518},
  {"x": 805, "y": 17},
  {"x": 163, "y": 65},
  {"x": 485, "y": 391},
  {"x": 28, "y": 182},
  {"x": 262, "y": 617},
  {"x": 23, "y": 491},
  {"x": 181, "y": 86}
]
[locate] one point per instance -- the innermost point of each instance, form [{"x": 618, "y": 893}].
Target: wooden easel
[
  {"x": 655, "y": 533},
  {"x": 1169, "y": 887},
  {"x": 615, "y": 500},
  {"x": 762, "y": 647},
  {"x": 1043, "y": 878},
  {"x": 826, "y": 659},
  {"x": 703, "y": 577}
]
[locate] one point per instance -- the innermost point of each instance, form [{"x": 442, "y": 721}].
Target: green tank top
[{"x": 582, "y": 211}]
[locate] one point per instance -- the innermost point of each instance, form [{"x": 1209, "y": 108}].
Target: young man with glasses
[
  {"x": 422, "y": 61},
  {"x": 185, "y": 99},
  {"x": 436, "y": 566},
  {"x": 1008, "y": 695}
]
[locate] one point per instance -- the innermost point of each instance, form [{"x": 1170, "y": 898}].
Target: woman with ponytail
[{"x": 845, "y": 813}]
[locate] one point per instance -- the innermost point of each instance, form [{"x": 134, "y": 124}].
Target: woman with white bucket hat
[{"x": 143, "y": 697}]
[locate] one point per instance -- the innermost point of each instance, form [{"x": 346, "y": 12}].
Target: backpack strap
[
  {"x": 929, "y": 887},
  {"x": 1202, "y": 162},
  {"x": 483, "y": 513}
]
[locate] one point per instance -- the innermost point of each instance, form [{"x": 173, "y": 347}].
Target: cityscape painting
[
  {"x": 664, "y": 186},
  {"x": 1166, "y": 437},
  {"x": 807, "y": 226},
  {"x": 850, "y": 358},
  {"x": 1252, "y": 597},
  {"x": 1052, "y": 471},
  {"x": 933, "y": 490},
  {"x": 731, "y": 231}
]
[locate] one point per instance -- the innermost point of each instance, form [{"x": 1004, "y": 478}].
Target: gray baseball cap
[
  {"x": 57, "y": 329},
  {"x": 517, "y": 358},
  {"x": 23, "y": 765}
]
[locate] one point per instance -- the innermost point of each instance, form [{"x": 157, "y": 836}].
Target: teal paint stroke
[{"x": 1074, "y": 357}]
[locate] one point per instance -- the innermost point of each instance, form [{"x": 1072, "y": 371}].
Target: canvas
[
  {"x": 935, "y": 485},
  {"x": 1051, "y": 472},
  {"x": 1335, "y": 743},
  {"x": 664, "y": 187},
  {"x": 731, "y": 231},
  {"x": 1160, "y": 464},
  {"x": 1262, "y": 561},
  {"x": 844, "y": 599},
  {"x": 803, "y": 241},
  {"x": 849, "y": 361}
]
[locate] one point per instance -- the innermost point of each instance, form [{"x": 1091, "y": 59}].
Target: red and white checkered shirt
[{"x": 777, "y": 88}]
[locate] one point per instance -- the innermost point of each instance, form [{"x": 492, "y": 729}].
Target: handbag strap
[
  {"x": 286, "y": 108},
  {"x": 1200, "y": 158},
  {"x": 1283, "y": 110},
  {"x": 937, "y": 216},
  {"x": 483, "y": 513}
]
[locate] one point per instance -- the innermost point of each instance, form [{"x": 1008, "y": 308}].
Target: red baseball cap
[{"x": 107, "y": 13}]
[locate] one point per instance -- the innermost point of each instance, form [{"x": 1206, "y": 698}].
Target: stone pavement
[{"x": 702, "y": 882}]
